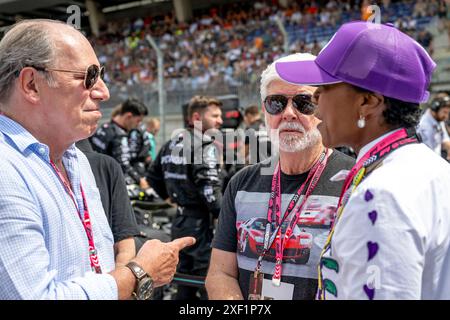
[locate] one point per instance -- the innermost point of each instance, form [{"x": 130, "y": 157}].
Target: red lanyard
[
  {"x": 275, "y": 199},
  {"x": 390, "y": 143},
  {"x": 85, "y": 220}
]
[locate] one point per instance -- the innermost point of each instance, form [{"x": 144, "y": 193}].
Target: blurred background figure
[
  {"x": 252, "y": 118},
  {"x": 432, "y": 128},
  {"x": 257, "y": 143},
  {"x": 139, "y": 146},
  {"x": 112, "y": 138},
  {"x": 188, "y": 172},
  {"x": 152, "y": 126}
]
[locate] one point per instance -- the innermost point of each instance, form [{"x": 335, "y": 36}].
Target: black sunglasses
[
  {"x": 91, "y": 75},
  {"x": 276, "y": 103}
]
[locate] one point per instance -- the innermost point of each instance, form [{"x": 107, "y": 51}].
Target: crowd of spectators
[{"x": 231, "y": 45}]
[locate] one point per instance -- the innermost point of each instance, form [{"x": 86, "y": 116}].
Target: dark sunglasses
[
  {"x": 91, "y": 75},
  {"x": 276, "y": 103}
]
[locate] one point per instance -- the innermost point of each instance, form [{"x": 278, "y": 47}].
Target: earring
[{"x": 361, "y": 122}]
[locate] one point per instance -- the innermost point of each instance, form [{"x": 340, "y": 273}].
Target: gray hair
[
  {"x": 271, "y": 74},
  {"x": 26, "y": 43}
]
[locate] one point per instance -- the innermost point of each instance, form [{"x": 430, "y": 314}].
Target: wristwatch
[{"x": 144, "y": 287}]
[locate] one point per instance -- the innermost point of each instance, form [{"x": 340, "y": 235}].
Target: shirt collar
[
  {"x": 20, "y": 136},
  {"x": 369, "y": 146},
  {"x": 24, "y": 140},
  {"x": 430, "y": 117},
  {"x": 117, "y": 124}
]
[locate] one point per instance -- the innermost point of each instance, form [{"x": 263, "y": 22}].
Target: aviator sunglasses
[
  {"x": 91, "y": 75},
  {"x": 276, "y": 103}
]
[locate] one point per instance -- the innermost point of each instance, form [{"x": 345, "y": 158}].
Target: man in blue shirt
[{"x": 56, "y": 242}]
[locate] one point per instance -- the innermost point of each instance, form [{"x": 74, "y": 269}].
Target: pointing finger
[{"x": 182, "y": 243}]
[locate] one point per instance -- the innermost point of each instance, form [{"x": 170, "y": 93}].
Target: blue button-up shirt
[{"x": 43, "y": 245}]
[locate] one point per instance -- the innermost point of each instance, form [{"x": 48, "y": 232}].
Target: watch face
[{"x": 145, "y": 289}]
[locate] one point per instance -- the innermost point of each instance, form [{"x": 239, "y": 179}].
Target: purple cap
[{"x": 372, "y": 56}]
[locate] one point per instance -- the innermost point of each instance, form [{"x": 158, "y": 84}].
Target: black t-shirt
[
  {"x": 243, "y": 218},
  {"x": 113, "y": 192}
]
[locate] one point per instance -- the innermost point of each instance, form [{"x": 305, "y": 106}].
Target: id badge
[
  {"x": 255, "y": 288},
  {"x": 284, "y": 291}
]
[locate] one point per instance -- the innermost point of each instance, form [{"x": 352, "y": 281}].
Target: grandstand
[{"x": 219, "y": 47}]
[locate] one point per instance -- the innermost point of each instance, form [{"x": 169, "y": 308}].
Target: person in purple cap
[{"x": 391, "y": 235}]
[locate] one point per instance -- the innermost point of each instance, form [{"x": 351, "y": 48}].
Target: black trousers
[{"x": 194, "y": 260}]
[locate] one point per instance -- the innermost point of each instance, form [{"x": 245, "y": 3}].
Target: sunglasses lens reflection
[
  {"x": 275, "y": 104},
  {"x": 303, "y": 104},
  {"x": 91, "y": 76}
]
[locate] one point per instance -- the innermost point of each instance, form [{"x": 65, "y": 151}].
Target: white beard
[{"x": 291, "y": 142}]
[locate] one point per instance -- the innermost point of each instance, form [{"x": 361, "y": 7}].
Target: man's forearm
[
  {"x": 223, "y": 287},
  {"x": 124, "y": 250}
]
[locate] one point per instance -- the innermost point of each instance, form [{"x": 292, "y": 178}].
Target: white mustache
[{"x": 291, "y": 126}]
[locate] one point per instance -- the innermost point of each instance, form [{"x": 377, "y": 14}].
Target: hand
[
  {"x": 160, "y": 259},
  {"x": 143, "y": 184},
  {"x": 169, "y": 201}
]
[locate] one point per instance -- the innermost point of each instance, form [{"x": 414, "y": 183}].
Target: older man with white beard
[{"x": 273, "y": 226}]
